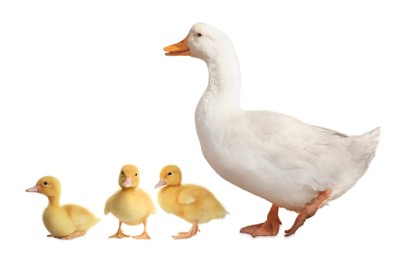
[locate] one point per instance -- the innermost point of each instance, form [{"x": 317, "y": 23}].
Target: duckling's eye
[
  {"x": 136, "y": 174},
  {"x": 122, "y": 173},
  {"x": 45, "y": 183},
  {"x": 199, "y": 34},
  {"x": 169, "y": 173}
]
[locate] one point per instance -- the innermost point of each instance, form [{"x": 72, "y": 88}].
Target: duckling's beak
[
  {"x": 127, "y": 182},
  {"x": 32, "y": 189},
  {"x": 160, "y": 184},
  {"x": 178, "y": 49}
]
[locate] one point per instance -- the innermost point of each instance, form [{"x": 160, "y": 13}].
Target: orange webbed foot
[
  {"x": 119, "y": 234},
  {"x": 251, "y": 229},
  {"x": 144, "y": 235},
  {"x": 308, "y": 211},
  {"x": 74, "y": 235},
  {"x": 268, "y": 228},
  {"x": 192, "y": 232}
]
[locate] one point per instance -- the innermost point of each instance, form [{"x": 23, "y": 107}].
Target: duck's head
[
  {"x": 129, "y": 177},
  {"x": 203, "y": 41},
  {"x": 48, "y": 185},
  {"x": 169, "y": 175}
]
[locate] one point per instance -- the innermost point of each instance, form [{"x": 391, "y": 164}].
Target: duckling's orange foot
[
  {"x": 144, "y": 235},
  {"x": 184, "y": 235},
  {"x": 308, "y": 211},
  {"x": 119, "y": 234},
  {"x": 192, "y": 232},
  {"x": 268, "y": 228},
  {"x": 74, "y": 235}
]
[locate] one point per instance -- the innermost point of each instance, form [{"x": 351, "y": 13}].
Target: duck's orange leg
[
  {"x": 192, "y": 232},
  {"x": 308, "y": 211},
  {"x": 268, "y": 228},
  {"x": 119, "y": 233},
  {"x": 144, "y": 235}
]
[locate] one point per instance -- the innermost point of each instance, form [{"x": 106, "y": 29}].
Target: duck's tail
[{"x": 372, "y": 138}]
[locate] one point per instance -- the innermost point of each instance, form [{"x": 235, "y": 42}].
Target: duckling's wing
[
  {"x": 107, "y": 206},
  {"x": 79, "y": 215},
  {"x": 109, "y": 203},
  {"x": 188, "y": 195}
]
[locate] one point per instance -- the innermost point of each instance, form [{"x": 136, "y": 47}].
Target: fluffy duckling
[
  {"x": 190, "y": 202},
  {"x": 64, "y": 222},
  {"x": 131, "y": 205}
]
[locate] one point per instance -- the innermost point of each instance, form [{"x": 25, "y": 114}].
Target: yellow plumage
[
  {"x": 190, "y": 202},
  {"x": 131, "y": 205},
  {"x": 67, "y": 221}
]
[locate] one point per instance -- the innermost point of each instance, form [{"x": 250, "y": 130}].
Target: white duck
[{"x": 294, "y": 165}]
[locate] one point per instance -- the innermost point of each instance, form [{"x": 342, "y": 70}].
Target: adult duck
[{"x": 294, "y": 165}]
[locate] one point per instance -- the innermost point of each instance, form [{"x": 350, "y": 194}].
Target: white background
[{"x": 85, "y": 88}]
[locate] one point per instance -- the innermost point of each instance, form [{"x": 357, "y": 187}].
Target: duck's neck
[{"x": 223, "y": 88}]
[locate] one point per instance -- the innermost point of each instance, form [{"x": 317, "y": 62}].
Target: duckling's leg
[
  {"x": 144, "y": 235},
  {"x": 119, "y": 233},
  {"x": 268, "y": 228},
  {"x": 308, "y": 211},
  {"x": 192, "y": 232},
  {"x": 75, "y": 234}
]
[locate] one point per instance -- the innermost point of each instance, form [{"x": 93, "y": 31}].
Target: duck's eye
[
  {"x": 136, "y": 174},
  {"x": 169, "y": 173},
  {"x": 45, "y": 183},
  {"x": 199, "y": 34},
  {"x": 122, "y": 173}
]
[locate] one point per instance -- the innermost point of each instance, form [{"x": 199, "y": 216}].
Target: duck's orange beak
[{"x": 178, "y": 49}]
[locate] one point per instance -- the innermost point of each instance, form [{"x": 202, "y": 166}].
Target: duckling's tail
[{"x": 373, "y": 138}]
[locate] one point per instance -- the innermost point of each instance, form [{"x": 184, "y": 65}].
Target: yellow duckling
[
  {"x": 64, "y": 222},
  {"x": 190, "y": 202},
  {"x": 131, "y": 205}
]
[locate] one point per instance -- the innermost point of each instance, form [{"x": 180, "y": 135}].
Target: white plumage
[{"x": 275, "y": 156}]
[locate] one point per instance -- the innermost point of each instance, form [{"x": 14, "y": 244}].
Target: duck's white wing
[{"x": 292, "y": 145}]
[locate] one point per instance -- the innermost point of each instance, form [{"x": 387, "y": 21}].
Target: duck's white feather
[{"x": 272, "y": 155}]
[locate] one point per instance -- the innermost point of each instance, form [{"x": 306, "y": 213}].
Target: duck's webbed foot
[
  {"x": 308, "y": 211},
  {"x": 268, "y": 228}
]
